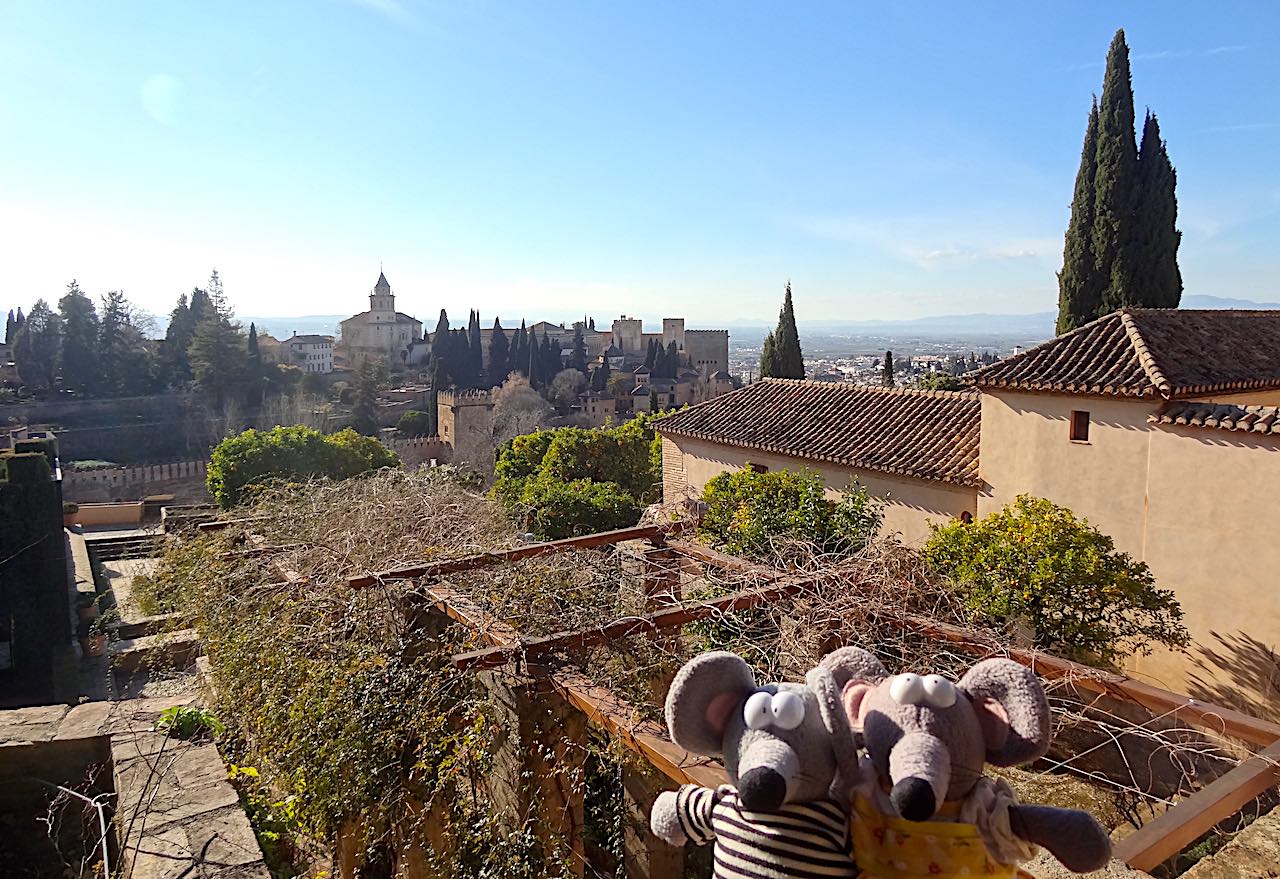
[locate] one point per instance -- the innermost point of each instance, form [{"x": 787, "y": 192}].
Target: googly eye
[
  {"x": 788, "y": 710},
  {"x": 907, "y": 689},
  {"x": 938, "y": 691},
  {"x": 758, "y": 712}
]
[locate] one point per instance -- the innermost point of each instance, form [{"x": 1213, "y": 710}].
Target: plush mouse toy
[
  {"x": 922, "y": 806},
  {"x": 790, "y": 756}
]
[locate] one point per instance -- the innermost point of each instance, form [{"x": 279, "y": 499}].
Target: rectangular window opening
[{"x": 1079, "y": 426}]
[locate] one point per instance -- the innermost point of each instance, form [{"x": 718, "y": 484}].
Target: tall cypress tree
[
  {"x": 473, "y": 348},
  {"x": 1157, "y": 278},
  {"x": 498, "y": 354},
  {"x": 78, "y": 360},
  {"x": 1117, "y": 179},
  {"x": 520, "y": 351},
  {"x": 886, "y": 376},
  {"x": 671, "y": 361},
  {"x": 533, "y": 369},
  {"x": 579, "y": 361},
  {"x": 256, "y": 375},
  {"x": 35, "y": 350},
  {"x": 782, "y": 357},
  {"x": 10, "y": 328},
  {"x": 1080, "y": 283},
  {"x": 650, "y": 354},
  {"x": 551, "y": 362}
]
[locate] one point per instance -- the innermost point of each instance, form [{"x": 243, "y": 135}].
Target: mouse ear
[
  {"x": 703, "y": 696},
  {"x": 1012, "y": 708},
  {"x": 853, "y": 663}
]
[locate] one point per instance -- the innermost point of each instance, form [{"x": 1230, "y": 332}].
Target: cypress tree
[
  {"x": 551, "y": 361},
  {"x": 579, "y": 361},
  {"x": 78, "y": 360},
  {"x": 782, "y": 357},
  {"x": 671, "y": 360},
  {"x": 257, "y": 376},
  {"x": 650, "y": 354},
  {"x": 886, "y": 377},
  {"x": 533, "y": 369},
  {"x": 10, "y": 328},
  {"x": 520, "y": 351},
  {"x": 35, "y": 350},
  {"x": 1157, "y": 278},
  {"x": 1079, "y": 283},
  {"x": 475, "y": 350},
  {"x": 1117, "y": 178},
  {"x": 175, "y": 366},
  {"x": 498, "y": 354}
]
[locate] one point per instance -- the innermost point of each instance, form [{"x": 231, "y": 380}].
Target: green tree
[
  {"x": 600, "y": 376},
  {"x": 292, "y": 454},
  {"x": 520, "y": 352},
  {"x": 498, "y": 354},
  {"x": 1117, "y": 179},
  {"x": 573, "y": 481},
  {"x": 579, "y": 359},
  {"x": 217, "y": 352},
  {"x": 785, "y": 513},
  {"x": 782, "y": 357},
  {"x": 10, "y": 328},
  {"x": 886, "y": 371},
  {"x": 558, "y": 510},
  {"x": 1157, "y": 279},
  {"x": 414, "y": 423},
  {"x": 175, "y": 364},
  {"x": 1034, "y": 565},
  {"x": 475, "y": 353},
  {"x": 651, "y": 354},
  {"x": 78, "y": 357},
  {"x": 940, "y": 381},
  {"x": 371, "y": 378},
  {"x": 255, "y": 373},
  {"x": 1080, "y": 283},
  {"x": 533, "y": 369},
  {"x": 124, "y": 354},
  {"x": 35, "y": 351}
]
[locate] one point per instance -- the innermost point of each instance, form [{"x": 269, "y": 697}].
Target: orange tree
[{"x": 1036, "y": 565}]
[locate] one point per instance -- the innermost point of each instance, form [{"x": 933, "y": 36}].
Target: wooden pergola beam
[
  {"x": 1214, "y": 718},
  {"x": 602, "y": 707},
  {"x": 1156, "y": 841},
  {"x": 626, "y": 627},
  {"x": 506, "y": 556}
]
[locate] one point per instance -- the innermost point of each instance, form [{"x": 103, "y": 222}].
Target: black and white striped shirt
[{"x": 798, "y": 841}]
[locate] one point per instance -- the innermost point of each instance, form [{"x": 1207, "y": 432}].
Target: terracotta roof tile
[
  {"x": 1224, "y": 416},
  {"x": 925, "y": 434},
  {"x": 1150, "y": 352}
]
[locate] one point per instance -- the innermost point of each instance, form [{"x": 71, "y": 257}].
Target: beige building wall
[
  {"x": 912, "y": 505},
  {"x": 1196, "y": 504}
]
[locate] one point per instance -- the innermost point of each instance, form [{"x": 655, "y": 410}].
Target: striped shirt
[{"x": 798, "y": 841}]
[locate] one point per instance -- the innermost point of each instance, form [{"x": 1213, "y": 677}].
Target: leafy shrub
[
  {"x": 414, "y": 423},
  {"x": 1034, "y": 564},
  {"x": 566, "y": 509},
  {"x": 571, "y": 480},
  {"x": 757, "y": 514},
  {"x": 292, "y": 454},
  {"x": 188, "y": 722}
]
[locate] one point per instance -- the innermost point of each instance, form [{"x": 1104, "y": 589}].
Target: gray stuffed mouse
[
  {"x": 926, "y": 742},
  {"x": 791, "y": 760}
]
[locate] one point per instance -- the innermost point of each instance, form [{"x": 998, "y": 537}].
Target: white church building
[{"x": 381, "y": 332}]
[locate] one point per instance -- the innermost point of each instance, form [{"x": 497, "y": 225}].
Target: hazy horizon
[{"x": 892, "y": 162}]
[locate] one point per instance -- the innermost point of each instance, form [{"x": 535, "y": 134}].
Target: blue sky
[{"x": 546, "y": 159}]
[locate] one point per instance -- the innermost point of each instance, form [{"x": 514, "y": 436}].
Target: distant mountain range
[{"x": 1029, "y": 326}]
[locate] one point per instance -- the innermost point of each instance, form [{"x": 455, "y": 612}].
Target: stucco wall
[
  {"x": 912, "y": 504},
  {"x": 1196, "y": 504}
]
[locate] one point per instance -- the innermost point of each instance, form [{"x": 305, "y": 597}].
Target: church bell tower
[{"x": 382, "y": 299}]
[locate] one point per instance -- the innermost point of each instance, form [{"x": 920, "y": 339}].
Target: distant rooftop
[
  {"x": 1150, "y": 352},
  {"x": 924, "y": 434}
]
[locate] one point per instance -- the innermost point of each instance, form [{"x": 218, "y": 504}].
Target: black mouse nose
[
  {"x": 913, "y": 798},
  {"x": 762, "y": 789}
]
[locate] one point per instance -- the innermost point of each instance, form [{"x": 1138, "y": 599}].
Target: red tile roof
[
  {"x": 924, "y": 434},
  {"x": 1150, "y": 352},
  {"x": 1224, "y": 416}
]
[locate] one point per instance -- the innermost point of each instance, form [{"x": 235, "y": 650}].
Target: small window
[
  {"x": 758, "y": 468},
  {"x": 1079, "y": 426}
]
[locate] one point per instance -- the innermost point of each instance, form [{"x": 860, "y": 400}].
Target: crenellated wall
[
  {"x": 183, "y": 479},
  {"x": 419, "y": 450}
]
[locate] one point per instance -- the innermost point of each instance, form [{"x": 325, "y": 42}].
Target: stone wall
[
  {"x": 182, "y": 479},
  {"x": 128, "y": 429},
  {"x": 419, "y": 451}
]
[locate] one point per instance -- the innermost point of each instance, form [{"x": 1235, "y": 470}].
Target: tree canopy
[
  {"x": 1033, "y": 565},
  {"x": 781, "y": 356},
  {"x": 291, "y": 454},
  {"x": 1122, "y": 240}
]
